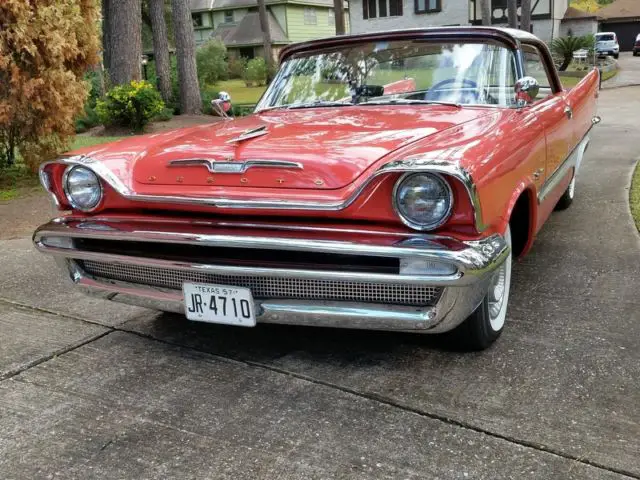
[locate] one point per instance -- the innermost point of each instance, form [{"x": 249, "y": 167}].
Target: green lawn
[
  {"x": 84, "y": 141},
  {"x": 634, "y": 199},
  {"x": 569, "y": 82},
  {"x": 18, "y": 180},
  {"x": 240, "y": 93}
]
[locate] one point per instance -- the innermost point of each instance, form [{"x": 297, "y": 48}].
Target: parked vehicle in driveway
[
  {"x": 607, "y": 44},
  {"x": 385, "y": 181},
  {"x": 636, "y": 46}
]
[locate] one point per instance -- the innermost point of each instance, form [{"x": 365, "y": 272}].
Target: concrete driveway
[
  {"x": 629, "y": 73},
  {"x": 97, "y": 390}
]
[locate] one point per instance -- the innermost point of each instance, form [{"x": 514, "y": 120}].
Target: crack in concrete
[
  {"x": 394, "y": 404},
  {"x": 367, "y": 396},
  {"x": 38, "y": 361}
]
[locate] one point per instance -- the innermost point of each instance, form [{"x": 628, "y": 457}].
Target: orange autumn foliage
[{"x": 46, "y": 46}]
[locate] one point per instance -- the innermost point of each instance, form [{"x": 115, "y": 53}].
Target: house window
[
  {"x": 247, "y": 52},
  {"x": 369, "y": 9},
  {"x": 395, "y": 8},
  {"x": 331, "y": 19},
  {"x": 310, "y": 16},
  {"x": 196, "y": 18},
  {"x": 228, "y": 16},
  {"x": 381, "y": 8},
  {"x": 428, "y": 6}
]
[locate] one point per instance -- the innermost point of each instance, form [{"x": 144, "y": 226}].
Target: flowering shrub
[{"x": 131, "y": 105}]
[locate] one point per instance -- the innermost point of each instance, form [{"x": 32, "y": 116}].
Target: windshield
[
  {"x": 396, "y": 72},
  {"x": 605, "y": 38}
]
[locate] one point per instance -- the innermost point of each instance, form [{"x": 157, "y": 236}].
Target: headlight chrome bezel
[
  {"x": 69, "y": 197},
  {"x": 411, "y": 223}
]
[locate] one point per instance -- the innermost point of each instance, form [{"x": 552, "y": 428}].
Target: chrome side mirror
[{"x": 527, "y": 89}]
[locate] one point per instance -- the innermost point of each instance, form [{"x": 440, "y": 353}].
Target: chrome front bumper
[{"x": 464, "y": 273}]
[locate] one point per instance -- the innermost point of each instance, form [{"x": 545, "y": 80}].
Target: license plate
[{"x": 219, "y": 304}]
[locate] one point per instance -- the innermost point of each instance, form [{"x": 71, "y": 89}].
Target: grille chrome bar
[{"x": 268, "y": 287}]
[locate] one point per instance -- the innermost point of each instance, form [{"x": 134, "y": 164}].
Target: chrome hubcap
[
  {"x": 572, "y": 187},
  {"x": 496, "y": 291}
]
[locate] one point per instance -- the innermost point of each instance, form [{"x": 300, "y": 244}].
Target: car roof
[{"x": 510, "y": 36}]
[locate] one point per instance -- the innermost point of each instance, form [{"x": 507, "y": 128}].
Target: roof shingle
[
  {"x": 197, "y": 5},
  {"x": 248, "y": 31},
  {"x": 621, "y": 9},
  {"x": 573, "y": 13}
]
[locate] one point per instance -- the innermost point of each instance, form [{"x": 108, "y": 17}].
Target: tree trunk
[
  {"x": 266, "y": 38},
  {"x": 98, "y": 70},
  {"x": 190, "y": 101},
  {"x": 160, "y": 48},
  {"x": 106, "y": 45},
  {"x": 485, "y": 11},
  {"x": 525, "y": 15},
  {"x": 338, "y": 8},
  {"x": 512, "y": 13},
  {"x": 124, "y": 18}
]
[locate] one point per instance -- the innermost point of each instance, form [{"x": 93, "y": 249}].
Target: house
[
  {"x": 578, "y": 23},
  {"x": 623, "y": 18},
  {"x": 371, "y": 15},
  {"x": 237, "y": 23}
]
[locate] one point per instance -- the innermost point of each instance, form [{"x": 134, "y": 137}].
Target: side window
[{"x": 534, "y": 67}]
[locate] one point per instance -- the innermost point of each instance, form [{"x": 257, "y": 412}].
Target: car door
[{"x": 553, "y": 111}]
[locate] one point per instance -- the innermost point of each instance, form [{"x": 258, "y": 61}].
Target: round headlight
[
  {"x": 82, "y": 188},
  {"x": 423, "y": 201}
]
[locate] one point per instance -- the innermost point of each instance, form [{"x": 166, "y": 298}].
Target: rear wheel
[
  {"x": 567, "y": 197},
  {"x": 485, "y": 324}
]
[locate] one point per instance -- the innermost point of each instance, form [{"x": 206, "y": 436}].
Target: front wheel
[
  {"x": 616, "y": 56},
  {"x": 485, "y": 324},
  {"x": 567, "y": 197}
]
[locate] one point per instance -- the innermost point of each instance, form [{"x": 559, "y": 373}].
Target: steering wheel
[{"x": 437, "y": 93}]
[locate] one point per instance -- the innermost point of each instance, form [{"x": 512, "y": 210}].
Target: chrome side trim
[
  {"x": 235, "y": 167},
  {"x": 573, "y": 161},
  {"x": 46, "y": 184}
]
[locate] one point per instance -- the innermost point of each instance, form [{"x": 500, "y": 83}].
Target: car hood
[{"x": 318, "y": 148}]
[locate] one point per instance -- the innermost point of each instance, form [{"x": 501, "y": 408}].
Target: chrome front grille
[{"x": 266, "y": 287}]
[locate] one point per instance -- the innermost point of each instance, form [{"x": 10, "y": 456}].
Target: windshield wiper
[
  {"x": 318, "y": 103},
  {"x": 405, "y": 101}
]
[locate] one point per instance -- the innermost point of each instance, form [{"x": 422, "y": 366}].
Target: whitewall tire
[{"x": 485, "y": 324}]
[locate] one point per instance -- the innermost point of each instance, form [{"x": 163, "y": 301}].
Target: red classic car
[{"x": 384, "y": 181}]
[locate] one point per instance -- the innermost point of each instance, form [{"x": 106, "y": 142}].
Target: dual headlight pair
[{"x": 423, "y": 201}]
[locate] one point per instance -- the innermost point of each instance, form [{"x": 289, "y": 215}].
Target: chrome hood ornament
[
  {"x": 251, "y": 133},
  {"x": 235, "y": 167}
]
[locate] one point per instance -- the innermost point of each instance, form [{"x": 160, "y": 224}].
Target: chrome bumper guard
[{"x": 463, "y": 270}]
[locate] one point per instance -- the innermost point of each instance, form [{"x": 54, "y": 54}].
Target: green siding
[
  {"x": 280, "y": 14},
  {"x": 299, "y": 32}
]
